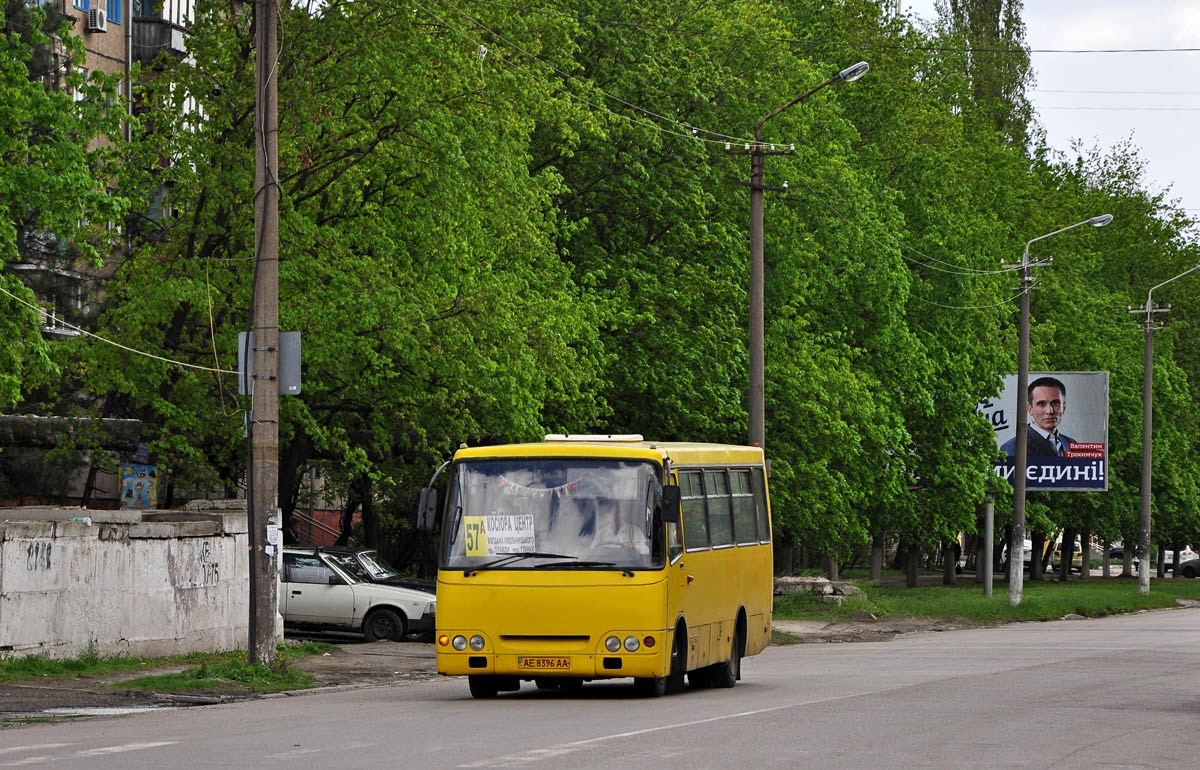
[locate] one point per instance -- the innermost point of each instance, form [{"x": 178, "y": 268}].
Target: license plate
[{"x": 544, "y": 663}]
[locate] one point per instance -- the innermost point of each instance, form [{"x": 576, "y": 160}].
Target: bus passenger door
[{"x": 688, "y": 570}]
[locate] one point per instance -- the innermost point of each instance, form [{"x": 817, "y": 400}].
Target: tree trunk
[
  {"x": 1085, "y": 553},
  {"x": 911, "y": 564},
  {"x": 1067, "y": 551},
  {"x": 348, "y": 510},
  {"x": 876, "y": 570},
  {"x": 1037, "y": 568}
]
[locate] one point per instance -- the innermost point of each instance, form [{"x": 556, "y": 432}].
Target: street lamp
[
  {"x": 1018, "y": 530},
  {"x": 757, "y": 153},
  {"x": 1147, "y": 428}
]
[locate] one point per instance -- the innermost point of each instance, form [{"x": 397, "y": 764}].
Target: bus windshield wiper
[
  {"x": 560, "y": 564},
  {"x": 511, "y": 557}
]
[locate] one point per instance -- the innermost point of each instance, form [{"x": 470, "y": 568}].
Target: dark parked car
[
  {"x": 1190, "y": 568},
  {"x": 1117, "y": 552},
  {"x": 370, "y": 566}
]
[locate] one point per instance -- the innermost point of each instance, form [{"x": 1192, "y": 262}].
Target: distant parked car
[
  {"x": 1077, "y": 557},
  {"x": 1028, "y": 554},
  {"x": 1185, "y": 553},
  {"x": 319, "y": 591},
  {"x": 1117, "y": 552},
  {"x": 1190, "y": 568}
]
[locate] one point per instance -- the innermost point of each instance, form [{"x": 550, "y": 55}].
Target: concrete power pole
[
  {"x": 263, "y": 492},
  {"x": 1149, "y": 324}
]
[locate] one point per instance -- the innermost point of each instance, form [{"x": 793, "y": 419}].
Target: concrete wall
[{"x": 142, "y": 583}]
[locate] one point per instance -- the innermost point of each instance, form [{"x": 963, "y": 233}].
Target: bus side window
[
  {"x": 720, "y": 521},
  {"x": 762, "y": 515},
  {"x": 695, "y": 520},
  {"x": 743, "y": 508}
]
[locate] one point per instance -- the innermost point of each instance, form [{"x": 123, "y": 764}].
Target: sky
[{"x": 1151, "y": 99}]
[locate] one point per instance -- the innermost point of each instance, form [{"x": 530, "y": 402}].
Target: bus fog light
[
  {"x": 476, "y": 642},
  {"x": 632, "y": 643},
  {"x": 612, "y": 644},
  {"x": 460, "y": 642}
]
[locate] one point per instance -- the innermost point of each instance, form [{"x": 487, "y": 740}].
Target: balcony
[{"x": 152, "y": 35}]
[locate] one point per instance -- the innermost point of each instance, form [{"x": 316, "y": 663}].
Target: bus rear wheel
[{"x": 726, "y": 674}]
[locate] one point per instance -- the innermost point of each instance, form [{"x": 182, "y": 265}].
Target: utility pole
[
  {"x": 758, "y": 152},
  {"x": 263, "y": 425},
  {"x": 1149, "y": 324},
  {"x": 1016, "y": 549}
]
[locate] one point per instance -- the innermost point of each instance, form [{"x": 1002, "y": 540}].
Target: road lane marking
[{"x": 33, "y": 747}]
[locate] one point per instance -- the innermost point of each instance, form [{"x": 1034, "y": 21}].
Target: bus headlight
[
  {"x": 632, "y": 643},
  {"x": 476, "y": 642},
  {"x": 460, "y": 643},
  {"x": 612, "y": 644}
]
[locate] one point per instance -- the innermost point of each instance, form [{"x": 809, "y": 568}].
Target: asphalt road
[{"x": 1119, "y": 692}]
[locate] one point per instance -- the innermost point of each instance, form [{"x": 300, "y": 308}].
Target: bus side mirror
[
  {"x": 670, "y": 504},
  {"x": 427, "y": 508}
]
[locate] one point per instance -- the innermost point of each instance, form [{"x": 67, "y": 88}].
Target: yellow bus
[{"x": 597, "y": 557}]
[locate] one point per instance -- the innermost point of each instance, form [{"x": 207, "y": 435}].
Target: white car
[
  {"x": 315, "y": 592},
  {"x": 1184, "y": 554}
]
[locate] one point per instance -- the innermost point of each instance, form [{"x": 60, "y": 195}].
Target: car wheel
[
  {"x": 725, "y": 675},
  {"x": 1188, "y": 572},
  {"x": 483, "y": 686},
  {"x": 384, "y": 624}
]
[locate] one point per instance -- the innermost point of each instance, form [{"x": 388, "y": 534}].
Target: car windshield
[
  {"x": 557, "y": 513},
  {"x": 374, "y": 564},
  {"x": 348, "y": 564}
]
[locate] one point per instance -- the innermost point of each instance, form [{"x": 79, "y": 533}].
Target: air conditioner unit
[{"x": 97, "y": 20}]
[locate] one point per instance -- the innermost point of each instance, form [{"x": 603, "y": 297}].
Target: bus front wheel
[
  {"x": 651, "y": 686},
  {"x": 483, "y": 686}
]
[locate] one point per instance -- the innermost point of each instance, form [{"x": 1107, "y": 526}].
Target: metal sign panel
[{"x": 289, "y": 364}]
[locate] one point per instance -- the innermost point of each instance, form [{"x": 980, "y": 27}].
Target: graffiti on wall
[
  {"x": 37, "y": 556},
  {"x": 194, "y": 566}
]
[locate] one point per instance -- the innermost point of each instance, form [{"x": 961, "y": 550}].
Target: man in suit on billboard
[{"x": 1047, "y": 405}]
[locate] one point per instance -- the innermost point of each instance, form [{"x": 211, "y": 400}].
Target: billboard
[{"x": 1067, "y": 442}]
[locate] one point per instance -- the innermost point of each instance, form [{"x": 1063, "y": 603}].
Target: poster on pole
[{"x": 1067, "y": 441}]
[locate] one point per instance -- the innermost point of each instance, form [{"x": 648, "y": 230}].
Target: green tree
[{"x": 54, "y": 169}]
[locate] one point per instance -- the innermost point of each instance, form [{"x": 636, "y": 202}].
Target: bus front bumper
[{"x": 530, "y": 664}]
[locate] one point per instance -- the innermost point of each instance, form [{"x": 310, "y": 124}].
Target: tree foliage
[{"x": 499, "y": 221}]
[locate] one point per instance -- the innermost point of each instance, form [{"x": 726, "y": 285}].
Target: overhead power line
[
  {"x": 863, "y": 45},
  {"x": 117, "y": 344}
]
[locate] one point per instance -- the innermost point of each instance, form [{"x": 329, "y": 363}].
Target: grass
[
  {"x": 965, "y": 602},
  {"x": 204, "y": 672}
]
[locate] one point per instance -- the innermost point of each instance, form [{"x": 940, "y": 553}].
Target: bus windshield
[{"x": 553, "y": 513}]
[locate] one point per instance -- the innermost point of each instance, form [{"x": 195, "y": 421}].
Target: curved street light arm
[
  {"x": 847, "y": 75},
  {"x": 1099, "y": 221},
  {"x": 1164, "y": 283}
]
